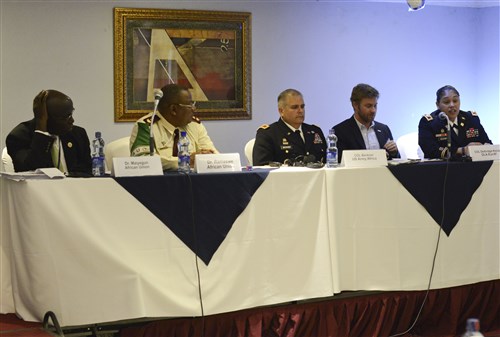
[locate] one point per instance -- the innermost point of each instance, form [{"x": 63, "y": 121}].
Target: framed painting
[{"x": 208, "y": 52}]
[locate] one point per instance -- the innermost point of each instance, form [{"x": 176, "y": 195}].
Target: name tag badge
[
  {"x": 219, "y": 162},
  {"x": 137, "y": 166},
  {"x": 364, "y": 158},
  {"x": 484, "y": 152}
]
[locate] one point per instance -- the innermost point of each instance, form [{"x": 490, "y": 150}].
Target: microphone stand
[
  {"x": 151, "y": 136},
  {"x": 443, "y": 115}
]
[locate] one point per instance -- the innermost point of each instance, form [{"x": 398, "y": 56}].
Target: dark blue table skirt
[
  {"x": 443, "y": 188},
  {"x": 199, "y": 209}
]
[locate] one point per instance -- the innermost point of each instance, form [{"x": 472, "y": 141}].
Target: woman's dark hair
[{"x": 441, "y": 91}]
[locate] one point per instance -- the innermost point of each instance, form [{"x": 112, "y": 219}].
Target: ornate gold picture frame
[{"x": 207, "y": 52}]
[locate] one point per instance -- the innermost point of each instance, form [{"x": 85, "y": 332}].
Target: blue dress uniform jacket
[
  {"x": 30, "y": 150},
  {"x": 277, "y": 142},
  {"x": 349, "y": 136},
  {"x": 433, "y": 135}
]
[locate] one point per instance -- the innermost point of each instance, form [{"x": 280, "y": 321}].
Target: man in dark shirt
[
  {"x": 50, "y": 139},
  {"x": 361, "y": 131}
]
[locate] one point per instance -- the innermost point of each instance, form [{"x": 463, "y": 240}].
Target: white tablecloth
[{"x": 88, "y": 251}]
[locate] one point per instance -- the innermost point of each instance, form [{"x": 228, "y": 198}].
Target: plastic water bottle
[
  {"x": 332, "y": 151},
  {"x": 472, "y": 328},
  {"x": 98, "y": 168},
  {"x": 183, "y": 153}
]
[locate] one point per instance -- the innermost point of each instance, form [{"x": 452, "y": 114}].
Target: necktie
[
  {"x": 175, "y": 149},
  {"x": 299, "y": 134},
  {"x": 56, "y": 153}
]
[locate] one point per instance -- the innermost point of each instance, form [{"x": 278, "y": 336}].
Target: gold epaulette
[
  {"x": 264, "y": 126},
  {"x": 196, "y": 119},
  {"x": 428, "y": 117}
]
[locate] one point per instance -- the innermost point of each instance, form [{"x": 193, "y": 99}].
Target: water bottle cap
[
  {"x": 98, "y": 134},
  {"x": 472, "y": 324},
  {"x": 183, "y": 133}
]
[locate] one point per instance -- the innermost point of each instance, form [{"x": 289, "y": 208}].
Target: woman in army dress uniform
[{"x": 465, "y": 127}]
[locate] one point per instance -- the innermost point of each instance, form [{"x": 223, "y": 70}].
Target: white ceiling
[
  {"x": 452, "y": 3},
  {"x": 464, "y": 3}
]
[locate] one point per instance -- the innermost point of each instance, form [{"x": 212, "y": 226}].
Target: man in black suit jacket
[
  {"x": 289, "y": 139},
  {"x": 361, "y": 131},
  {"x": 50, "y": 139}
]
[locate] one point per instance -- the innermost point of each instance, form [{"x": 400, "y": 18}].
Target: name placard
[
  {"x": 137, "y": 166},
  {"x": 220, "y": 162},
  {"x": 364, "y": 158},
  {"x": 484, "y": 152}
]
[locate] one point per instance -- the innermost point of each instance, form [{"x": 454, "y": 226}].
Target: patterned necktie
[{"x": 175, "y": 149}]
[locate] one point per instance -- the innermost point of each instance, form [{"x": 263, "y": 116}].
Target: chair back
[
  {"x": 6, "y": 165},
  {"x": 117, "y": 148},
  {"x": 408, "y": 146},
  {"x": 249, "y": 150}
]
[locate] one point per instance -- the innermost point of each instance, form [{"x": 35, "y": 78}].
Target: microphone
[
  {"x": 158, "y": 95},
  {"x": 310, "y": 158},
  {"x": 444, "y": 116},
  {"x": 300, "y": 160}
]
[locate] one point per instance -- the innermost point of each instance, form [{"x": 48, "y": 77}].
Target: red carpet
[{"x": 11, "y": 326}]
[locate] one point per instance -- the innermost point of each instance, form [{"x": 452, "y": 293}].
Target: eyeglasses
[{"x": 189, "y": 106}]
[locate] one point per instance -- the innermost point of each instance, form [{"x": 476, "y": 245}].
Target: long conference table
[{"x": 88, "y": 251}]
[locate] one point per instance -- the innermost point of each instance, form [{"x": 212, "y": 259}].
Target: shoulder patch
[
  {"x": 148, "y": 119},
  {"x": 473, "y": 113},
  {"x": 264, "y": 126},
  {"x": 428, "y": 117},
  {"x": 196, "y": 119}
]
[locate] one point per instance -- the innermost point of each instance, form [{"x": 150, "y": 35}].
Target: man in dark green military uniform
[{"x": 289, "y": 139}]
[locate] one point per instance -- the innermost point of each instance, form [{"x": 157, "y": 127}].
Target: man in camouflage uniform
[{"x": 175, "y": 115}]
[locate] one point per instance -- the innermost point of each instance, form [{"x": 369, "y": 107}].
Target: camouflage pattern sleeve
[{"x": 139, "y": 140}]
